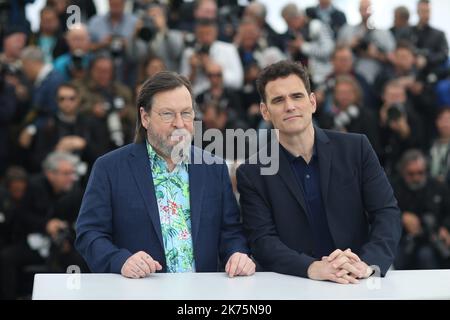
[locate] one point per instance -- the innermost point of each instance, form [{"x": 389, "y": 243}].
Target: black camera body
[
  {"x": 77, "y": 60},
  {"x": 395, "y": 112},
  {"x": 116, "y": 46},
  {"x": 63, "y": 235},
  {"x": 202, "y": 49},
  {"x": 148, "y": 30},
  {"x": 431, "y": 227}
]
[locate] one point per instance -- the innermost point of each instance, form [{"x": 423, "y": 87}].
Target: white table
[{"x": 429, "y": 284}]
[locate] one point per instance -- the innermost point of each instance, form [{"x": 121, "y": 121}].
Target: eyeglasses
[
  {"x": 168, "y": 116},
  {"x": 70, "y": 98},
  {"x": 216, "y": 75},
  {"x": 415, "y": 173}
]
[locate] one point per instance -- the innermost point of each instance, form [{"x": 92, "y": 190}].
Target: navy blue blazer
[
  {"x": 359, "y": 202},
  {"x": 119, "y": 214}
]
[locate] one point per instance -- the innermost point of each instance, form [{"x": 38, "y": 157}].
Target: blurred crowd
[{"x": 67, "y": 96}]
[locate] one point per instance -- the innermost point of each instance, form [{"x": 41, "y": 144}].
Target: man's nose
[{"x": 178, "y": 121}]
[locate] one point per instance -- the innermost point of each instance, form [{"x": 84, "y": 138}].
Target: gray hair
[
  {"x": 53, "y": 160},
  {"x": 291, "y": 10},
  {"x": 411, "y": 156},
  {"x": 260, "y": 9},
  {"x": 32, "y": 53}
]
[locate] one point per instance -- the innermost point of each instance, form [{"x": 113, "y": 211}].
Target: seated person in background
[{"x": 425, "y": 206}]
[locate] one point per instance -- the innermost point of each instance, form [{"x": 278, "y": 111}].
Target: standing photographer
[
  {"x": 74, "y": 64},
  {"x": 109, "y": 102},
  {"x": 401, "y": 128},
  {"x": 207, "y": 49},
  {"x": 112, "y": 32},
  {"x": 152, "y": 36},
  {"x": 425, "y": 206}
]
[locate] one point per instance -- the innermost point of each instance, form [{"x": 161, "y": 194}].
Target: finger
[
  {"x": 333, "y": 278},
  {"x": 249, "y": 268},
  {"x": 227, "y": 266},
  {"x": 336, "y": 253},
  {"x": 233, "y": 265},
  {"x": 352, "y": 255},
  {"x": 130, "y": 273},
  {"x": 351, "y": 269},
  {"x": 144, "y": 266},
  {"x": 137, "y": 268},
  {"x": 340, "y": 261},
  {"x": 150, "y": 263},
  {"x": 243, "y": 260},
  {"x": 341, "y": 273},
  {"x": 158, "y": 265},
  {"x": 350, "y": 279},
  {"x": 324, "y": 258}
]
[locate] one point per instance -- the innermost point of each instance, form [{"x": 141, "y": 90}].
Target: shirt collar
[
  {"x": 292, "y": 158},
  {"x": 157, "y": 160}
]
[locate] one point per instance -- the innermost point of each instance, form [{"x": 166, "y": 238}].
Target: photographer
[
  {"x": 152, "y": 36},
  {"x": 309, "y": 41},
  {"x": 400, "y": 127},
  {"x": 350, "y": 114},
  {"x": 372, "y": 47},
  {"x": 112, "y": 32},
  {"x": 425, "y": 206},
  {"x": 420, "y": 91},
  {"x": 109, "y": 102},
  {"x": 208, "y": 49},
  {"x": 73, "y": 65},
  {"x": 52, "y": 194}
]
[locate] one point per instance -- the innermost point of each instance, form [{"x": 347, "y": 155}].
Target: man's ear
[
  {"x": 313, "y": 100},
  {"x": 264, "y": 111},
  {"x": 144, "y": 117}
]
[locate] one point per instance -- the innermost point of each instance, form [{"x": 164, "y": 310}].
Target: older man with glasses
[{"x": 151, "y": 207}]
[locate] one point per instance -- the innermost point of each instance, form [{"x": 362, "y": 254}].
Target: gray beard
[
  {"x": 178, "y": 152},
  {"x": 416, "y": 186}
]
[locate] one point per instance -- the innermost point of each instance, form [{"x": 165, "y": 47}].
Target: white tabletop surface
[{"x": 426, "y": 284}]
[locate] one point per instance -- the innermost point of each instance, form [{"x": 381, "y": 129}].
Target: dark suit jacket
[
  {"x": 119, "y": 214},
  {"x": 358, "y": 199}
]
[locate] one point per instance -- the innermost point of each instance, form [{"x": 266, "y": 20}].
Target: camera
[
  {"x": 77, "y": 60},
  {"x": 202, "y": 49},
  {"x": 116, "y": 46},
  {"x": 291, "y": 35},
  {"x": 64, "y": 235},
  {"x": 431, "y": 227},
  {"x": 148, "y": 30},
  {"x": 395, "y": 112},
  {"x": 344, "y": 118}
]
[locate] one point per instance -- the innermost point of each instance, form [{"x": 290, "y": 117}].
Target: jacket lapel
[
  {"x": 196, "y": 189},
  {"x": 140, "y": 164},
  {"x": 325, "y": 155}
]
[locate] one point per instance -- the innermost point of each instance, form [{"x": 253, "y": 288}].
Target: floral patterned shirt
[{"x": 172, "y": 195}]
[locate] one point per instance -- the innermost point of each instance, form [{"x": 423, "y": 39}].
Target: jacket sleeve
[
  {"x": 232, "y": 238},
  {"x": 94, "y": 226},
  {"x": 383, "y": 212}
]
